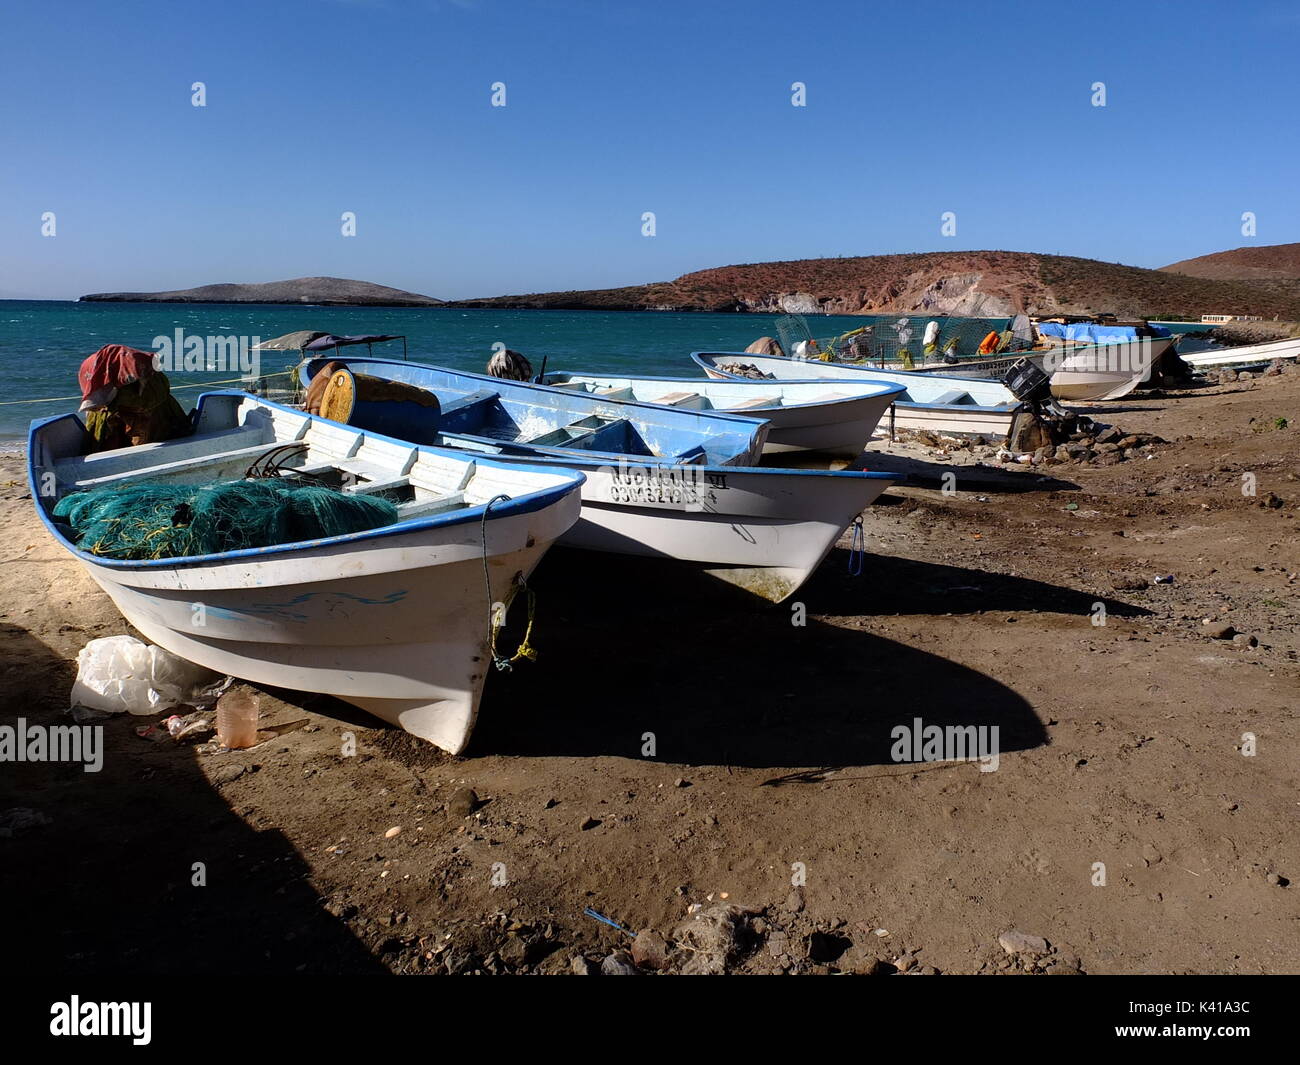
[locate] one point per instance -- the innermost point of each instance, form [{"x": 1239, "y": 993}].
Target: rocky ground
[{"x": 720, "y": 779}]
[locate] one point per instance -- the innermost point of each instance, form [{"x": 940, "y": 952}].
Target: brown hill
[
  {"x": 336, "y": 291},
  {"x": 1276, "y": 261},
  {"x": 974, "y": 283}
]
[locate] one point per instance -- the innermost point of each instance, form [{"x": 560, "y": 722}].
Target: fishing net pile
[
  {"x": 904, "y": 341},
  {"x": 153, "y": 520}
]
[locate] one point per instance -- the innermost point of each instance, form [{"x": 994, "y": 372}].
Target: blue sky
[{"x": 383, "y": 108}]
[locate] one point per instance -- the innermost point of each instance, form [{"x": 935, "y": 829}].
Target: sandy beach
[{"x": 772, "y": 790}]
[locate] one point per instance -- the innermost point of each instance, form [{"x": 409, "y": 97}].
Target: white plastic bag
[{"x": 119, "y": 673}]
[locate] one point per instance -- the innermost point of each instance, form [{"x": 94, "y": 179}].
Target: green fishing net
[{"x": 152, "y": 520}]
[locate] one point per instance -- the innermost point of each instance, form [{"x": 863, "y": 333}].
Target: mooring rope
[
  {"x": 857, "y": 548},
  {"x": 496, "y": 621},
  {"x": 173, "y": 388}
]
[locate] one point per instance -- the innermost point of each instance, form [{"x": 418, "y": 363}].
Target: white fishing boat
[
  {"x": 760, "y": 529},
  {"x": 1099, "y": 372},
  {"x": 396, "y": 620},
  {"x": 936, "y": 402},
  {"x": 804, "y": 417},
  {"x": 1247, "y": 355}
]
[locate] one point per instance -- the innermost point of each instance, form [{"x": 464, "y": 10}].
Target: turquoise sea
[{"x": 43, "y": 343}]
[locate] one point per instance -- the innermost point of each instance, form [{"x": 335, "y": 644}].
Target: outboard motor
[{"x": 1031, "y": 384}]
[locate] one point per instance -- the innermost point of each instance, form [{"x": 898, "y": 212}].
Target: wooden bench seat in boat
[
  {"x": 186, "y": 458},
  {"x": 592, "y": 433},
  {"x": 684, "y": 399},
  {"x": 757, "y": 401},
  {"x": 953, "y": 396},
  {"x": 461, "y": 408}
]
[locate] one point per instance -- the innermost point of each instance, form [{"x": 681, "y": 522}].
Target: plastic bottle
[{"x": 237, "y": 713}]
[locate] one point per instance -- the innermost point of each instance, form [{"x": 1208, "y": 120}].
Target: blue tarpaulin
[{"x": 1090, "y": 333}]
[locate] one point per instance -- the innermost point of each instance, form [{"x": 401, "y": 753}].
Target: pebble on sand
[
  {"x": 395, "y": 830},
  {"x": 1016, "y": 942}
]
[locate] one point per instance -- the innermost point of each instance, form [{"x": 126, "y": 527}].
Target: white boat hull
[
  {"x": 951, "y": 420},
  {"x": 400, "y": 631},
  {"x": 983, "y": 407},
  {"x": 1248, "y": 355},
  {"x": 763, "y": 530},
  {"x": 1103, "y": 372},
  {"x": 396, "y": 621},
  {"x": 833, "y": 420},
  {"x": 841, "y": 432}
]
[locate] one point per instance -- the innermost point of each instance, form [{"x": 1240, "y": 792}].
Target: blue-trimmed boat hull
[
  {"x": 764, "y": 530},
  {"x": 394, "y": 620}
]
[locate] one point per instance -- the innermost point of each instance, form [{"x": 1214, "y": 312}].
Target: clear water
[{"x": 43, "y": 343}]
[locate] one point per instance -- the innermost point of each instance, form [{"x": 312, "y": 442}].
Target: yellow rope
[{"x": 525, "y": 649}]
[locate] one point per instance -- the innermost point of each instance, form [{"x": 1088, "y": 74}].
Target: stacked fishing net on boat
[{"x": 154, "y": 520}]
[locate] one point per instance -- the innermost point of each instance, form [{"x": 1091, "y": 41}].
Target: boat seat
[
  {"x": 592, "y": 433},
  {"x": 480, "y": 398},
  {"x": 614, "y": 393},
  {"x": 677, "y": 399},
  {"x": 422, "y": 508},
  {"x": 402, "y": 493},
  {"x": 757, "y": 401},
  {"x": 366, "y": 471},
  {"x": 955, "y": 395},
  {"x": 66, "y": 472}
]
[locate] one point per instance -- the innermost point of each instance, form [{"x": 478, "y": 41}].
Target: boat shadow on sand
[
  {"x": 629, "y": 648},
  {"x": 104, "y": 884},
  {"x": 918, "y": 473}
]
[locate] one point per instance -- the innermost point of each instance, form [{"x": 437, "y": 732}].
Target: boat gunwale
[
  {"x": 651, "y": 461},
  {"x": 511, "y": 385},
  {"x": 526, "y": 503},
  {"x": 997, "y": 408},
  {"x": 886, "y": 388}
]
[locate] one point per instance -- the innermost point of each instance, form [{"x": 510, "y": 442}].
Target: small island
[{"x": 327, "y": 291}]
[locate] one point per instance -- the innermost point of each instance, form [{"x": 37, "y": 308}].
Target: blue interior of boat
[{"x": 514, "y": 417}]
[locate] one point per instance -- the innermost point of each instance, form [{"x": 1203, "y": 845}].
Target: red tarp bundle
[{"x": 112, "y": 367}]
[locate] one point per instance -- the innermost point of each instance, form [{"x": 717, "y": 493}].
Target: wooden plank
[{"x": 759, "y": 401}]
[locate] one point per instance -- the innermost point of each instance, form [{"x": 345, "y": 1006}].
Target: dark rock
[
  {"x": 825, "y": 948},
  {"x": 618, "y": 964},
  {"x": 338, "y": 908},
  {"x": 1220, "y": 631},
  {"x": 650, "y": 950},
  {"x": 514, "y": 951},
  {"x": 462, "y": 803}
]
